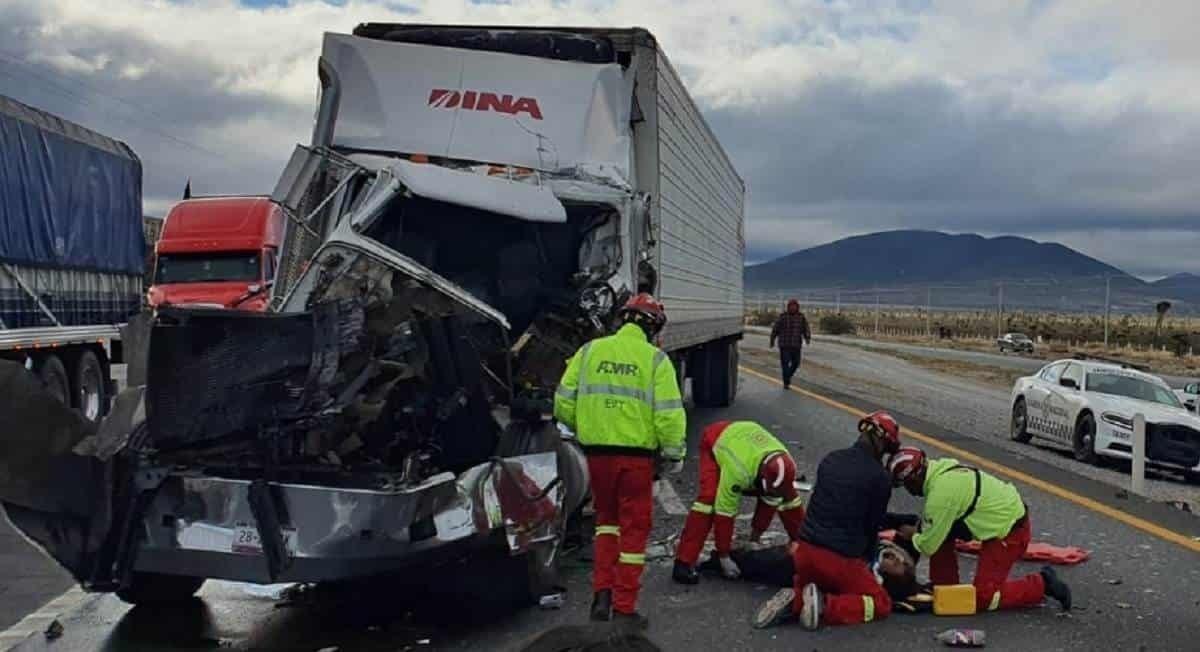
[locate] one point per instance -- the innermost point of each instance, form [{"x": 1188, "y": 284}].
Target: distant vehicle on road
[
  {"x": 217, "y": 252},
  {"x": 1016, "y": 342},
  {"x": 1090, "y": 405},
  {"x": 1189, "y": 396}
]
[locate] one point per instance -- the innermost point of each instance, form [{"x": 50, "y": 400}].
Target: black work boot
[
  {"x": 602, "y": 606},
  {"x": 1056, "y": 588},
  {"x": 684, "y": 574},
  {"x": 633, "y": 620}
]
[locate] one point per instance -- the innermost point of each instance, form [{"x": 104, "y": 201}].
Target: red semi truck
[{"x": 217, "y": 252}]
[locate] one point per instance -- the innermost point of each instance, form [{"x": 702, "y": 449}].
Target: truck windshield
[
  {"x": 1135, "y": 388},
  {"x": 207, "y": 267}
]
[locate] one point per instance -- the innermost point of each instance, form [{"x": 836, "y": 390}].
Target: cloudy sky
[{"x": 1069, "y": 120}]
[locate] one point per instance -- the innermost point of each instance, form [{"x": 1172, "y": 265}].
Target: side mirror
[
  {"x": 1194, "y": 388},
  {"x": 1068, "y": 382}
]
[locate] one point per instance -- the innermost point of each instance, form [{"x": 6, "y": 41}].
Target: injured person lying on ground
[{"x": 773, "y": 565}]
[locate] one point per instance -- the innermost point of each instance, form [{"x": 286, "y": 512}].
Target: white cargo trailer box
[{"x": 589, "y": 117}]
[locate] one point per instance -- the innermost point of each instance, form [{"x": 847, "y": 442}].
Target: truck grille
[{"x": 1173, "y": 444}]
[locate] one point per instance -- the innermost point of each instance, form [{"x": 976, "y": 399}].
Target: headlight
[{"x": 1117, "y": 420}]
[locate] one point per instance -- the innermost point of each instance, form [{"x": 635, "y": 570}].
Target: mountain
[
  {"x": 911, "y": 268},
  {"x": 894, "y": 258},
  {"x": 1180, "y": 286}
]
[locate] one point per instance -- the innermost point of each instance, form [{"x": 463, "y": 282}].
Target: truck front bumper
[{"x": 205, "y": 526}]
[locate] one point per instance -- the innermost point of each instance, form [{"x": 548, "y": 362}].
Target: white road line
[
  {"x": 671, "y": 504},
  {"x": 36, "y": 623}
]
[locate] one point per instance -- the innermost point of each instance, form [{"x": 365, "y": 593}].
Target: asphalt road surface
[
  {"x": 1138, "y": 589},
  {"x": 965, "y": 406}
]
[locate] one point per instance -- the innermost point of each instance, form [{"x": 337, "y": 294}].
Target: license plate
[{"x": 247, "y": 542}]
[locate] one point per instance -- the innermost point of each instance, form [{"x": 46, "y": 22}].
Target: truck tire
[
  {"x": 88, "y": 387},
  {"x": 715, "y": 386},
  {"x": 54, "y": 378},
  {"x": 159, "y": 589}
]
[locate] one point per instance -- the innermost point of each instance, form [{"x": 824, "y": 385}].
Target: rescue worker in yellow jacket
[
  {"x": 621, "y": 397},
  {"x": 738, "y": 458}
]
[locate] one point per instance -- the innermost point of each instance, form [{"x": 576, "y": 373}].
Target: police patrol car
[{"x": 1089, "y": 406}]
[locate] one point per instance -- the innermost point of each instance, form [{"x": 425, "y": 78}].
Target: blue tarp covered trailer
[{"x": 70, "y": 222}]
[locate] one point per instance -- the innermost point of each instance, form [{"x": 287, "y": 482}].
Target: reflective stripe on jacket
[
  {"x": 739, "y": 451},
  {"x": 620, "y": 392}
]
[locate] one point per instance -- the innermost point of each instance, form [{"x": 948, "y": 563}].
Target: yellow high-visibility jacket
[{"x": 620, "y": 394}]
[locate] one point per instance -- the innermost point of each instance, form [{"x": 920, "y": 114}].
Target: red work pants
[
  {"x": 852, "y": 594},
  {"x": 993, "y": 589},
  {"x": 623, "y": 497},
  {"x": 701, "y": 517}
]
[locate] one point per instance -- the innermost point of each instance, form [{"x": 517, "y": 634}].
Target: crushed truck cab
[{"x": 474, "y": 206}]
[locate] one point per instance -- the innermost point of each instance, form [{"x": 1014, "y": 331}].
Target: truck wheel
[
  {"x": 716, "y": 384},
  {"x": 89, "y": 387},
  {"x": 54, "y": 378},
  {"x": 156, "y": 588}
]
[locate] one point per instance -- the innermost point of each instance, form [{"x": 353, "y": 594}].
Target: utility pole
[
  {"x": 929, "y": 313},
  {"x": 1000, "y": 311},
  {"x": 1107, "y": 304},
  {"x": 838, "y": 300},
  {"x": 876, "y": 312}
]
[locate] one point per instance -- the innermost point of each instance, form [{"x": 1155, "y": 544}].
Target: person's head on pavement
[
  {"x": 793, "y": 306},
  {"x": 880, "y": 432},
  {"x": 907, "y": 468},
  {"x": 898, "y": 571},
  {"x": 645, "y": 311}
]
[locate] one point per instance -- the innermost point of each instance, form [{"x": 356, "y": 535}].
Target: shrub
[{"x": 836, "y": 325}]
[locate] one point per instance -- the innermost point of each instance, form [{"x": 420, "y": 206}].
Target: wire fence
[{"x": 1109, "y": 312}]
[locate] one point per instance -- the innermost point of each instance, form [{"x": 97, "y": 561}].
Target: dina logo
[{"x": 442, "y": 98}]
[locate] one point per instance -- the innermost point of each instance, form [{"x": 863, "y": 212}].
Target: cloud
[{"x": 1056, "y": 119}]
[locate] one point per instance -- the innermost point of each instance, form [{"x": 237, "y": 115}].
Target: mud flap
[{"x": 60, "y": 500}]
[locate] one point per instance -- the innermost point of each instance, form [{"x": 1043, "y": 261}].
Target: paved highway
[{"x": 1139, "y": 588}]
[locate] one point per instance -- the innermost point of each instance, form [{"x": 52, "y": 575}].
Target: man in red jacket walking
[{"x": 792, "y": 332}]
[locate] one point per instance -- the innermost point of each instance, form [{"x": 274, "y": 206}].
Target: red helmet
[
  {"x": 645, "y": 310},
  {"x": 778, "y": 470},
  {"x": 883, "y": 426},
  {"x": 905, "y": 463}
]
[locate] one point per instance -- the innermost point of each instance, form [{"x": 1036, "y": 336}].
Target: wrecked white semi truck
[{"x": 476, "y": 203}]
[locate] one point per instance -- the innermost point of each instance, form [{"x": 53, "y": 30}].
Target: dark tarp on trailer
[{"x": 69, "y": 198}]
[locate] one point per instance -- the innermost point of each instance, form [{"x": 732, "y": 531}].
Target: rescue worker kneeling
[
  {"x": 833, "y": 584},
  {"x": 965, "y": 503},
  {"x": 621, "y": 397},
  {"x": 737, "y": 459}
]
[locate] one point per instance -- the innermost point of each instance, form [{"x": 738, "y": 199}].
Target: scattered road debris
[
  {"x": 1124, "y": 605},
  {"x": 963, "y": 638},
  {"x": 552, "y": 601},
  {"x": 54, "y": 630},
  {"x": 1181, "y": 505},
  {"x": 1123, "y": 494},
  {"x": 1114, "y": 582}
]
